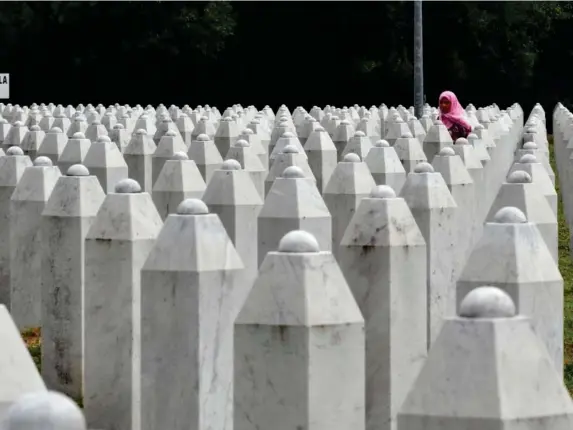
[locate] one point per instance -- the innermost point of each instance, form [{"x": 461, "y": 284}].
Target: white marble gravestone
[
  {"x": 189, "y": 292},
  {"x": 119, "y": 240},
  {"x": 299, "y": 344}
]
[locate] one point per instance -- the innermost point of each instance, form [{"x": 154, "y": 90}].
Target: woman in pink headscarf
[{"x": 452, "y": 115}]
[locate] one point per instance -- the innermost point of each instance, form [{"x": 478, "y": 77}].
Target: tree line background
[{"x": 297, "y": 53}]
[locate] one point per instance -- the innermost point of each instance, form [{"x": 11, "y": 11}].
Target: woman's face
[{"x": 445, "y": 105}]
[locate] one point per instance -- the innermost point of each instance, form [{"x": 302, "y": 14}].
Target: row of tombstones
[
  {"x": 358, "y": 323},
  {"x": 340, "y": 123},
  {"x": 563, "y": 144},
  {"x": 341, "y": 185}
]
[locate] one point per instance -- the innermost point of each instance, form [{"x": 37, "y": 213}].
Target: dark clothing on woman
[{"x": 458, "y": 130}]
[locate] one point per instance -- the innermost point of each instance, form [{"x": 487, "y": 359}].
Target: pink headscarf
[{"x": 456, "y": 113}]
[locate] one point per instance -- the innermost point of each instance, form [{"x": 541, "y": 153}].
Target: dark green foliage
[{"x": 347, "y": 52}]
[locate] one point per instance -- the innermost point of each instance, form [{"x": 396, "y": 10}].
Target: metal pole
[{"x": 418, "y": 59}]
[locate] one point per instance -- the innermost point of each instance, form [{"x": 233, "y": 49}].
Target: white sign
[{"x": 4, "y": 85}]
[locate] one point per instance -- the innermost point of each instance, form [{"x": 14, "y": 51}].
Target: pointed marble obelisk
[
  {"x": 232, "y": 195},
  {"x": 290, "y": 156},
  {"x": 138, "y": 155},
  {"x": 74, "y": 152},
  {"x": 69, "y": 213},
  {"x": 487, "y": 370},
  {"x": 120, "y": 239},
  {"x": 105, "y": 161},
  {"x": 512, "y": 255},
  {"x": 190, "y": 291},
  {"x": 350, "y": 182},
  {"x": 12, "y": 167},
  {"x": 53, "y": 145},
  {"x": 322, "y": 156},
  {"x": 205, "y": 155},
  {"x": 26, "y": 206},
  {"x": 179, "y": 179},
  {"x": 293, "y": 203},
  {"x": 385, "y": 166},
  {"x": 170, "y": 143},
  {"x": 299, "y": 344},
  {"x": 520, "y": 192},
  {"x": 435, "y": 212},
  {"x": 383, "y": 258}
]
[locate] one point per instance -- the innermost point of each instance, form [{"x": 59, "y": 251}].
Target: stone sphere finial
[
  {"x": 44, "y": 410},
  {"x": 519, "y": 177},
  {"x": 351, "y": 157},
  {"x": 298, "y": 241},
  {"x": 293, "y": 172},
  {"x": 509, "y": 215},
  {"x": 14, "y": 150},
  {"x": 447, "y": 151},
  {"x": 423, "y": 167},
  {"x": 383, "y": 192},
  {"x": 128, "y": 186},
  {"x": 78, "y": 170},
  {"x": 192, "y": 207},
  {"x": 231, "y": 164},
  {"x": 487, "y": 302},
  {"x": 43, "y": 162}
]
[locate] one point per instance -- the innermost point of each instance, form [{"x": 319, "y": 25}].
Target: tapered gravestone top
[
  {"x": 202, "y": 138},
  {"x": 298, "y": 241},
  {"x": 487, "y": 302},
  {"x": 78, "y": 135},
  {"x": 128, "y": 186},
  {"x": 44, "y": 410},
  {"x": 462, "y": 141},
  {"x": 530, "y": 145},
  {"x": 513, "y": 382},
  {"x": 299, "y": 286}
]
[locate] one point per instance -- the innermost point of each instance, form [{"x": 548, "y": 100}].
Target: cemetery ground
[
  {"x": 566, "y": 268},
  {"x": 32, "y": 337}
]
